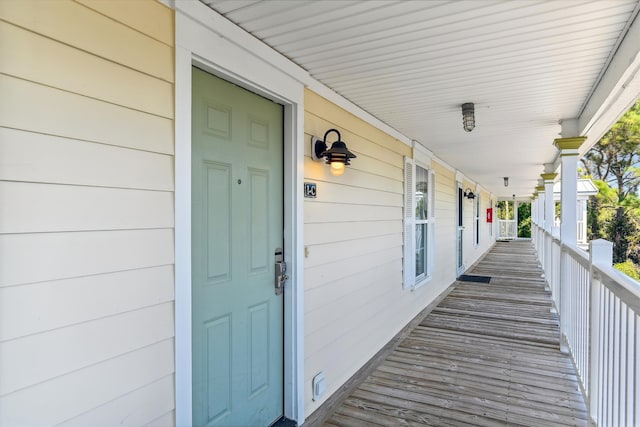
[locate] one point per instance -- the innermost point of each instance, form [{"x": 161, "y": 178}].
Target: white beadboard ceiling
[{"x": 525, "y": 65}]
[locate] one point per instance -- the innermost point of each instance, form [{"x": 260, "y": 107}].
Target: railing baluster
[
  {"x": 604, "y": 311},
  {"x": 615, "y": 350},
  {"x": 635, "y": 396},
  {"x": 599, "y": 311},
  {"x": 622, "y": 362},
  {"x": 595, "y": 349}
]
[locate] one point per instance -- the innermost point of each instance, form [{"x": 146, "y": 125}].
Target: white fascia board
[
  {"x": 419, "y": 146},
  {"x": 328, "y": 93},
  {"x": 444, "y": 164},
  {"x": 255, "y": 48},
  {"x": 616, "y": 91},
  {"x": 233, "y": 33},
  {"x": 199, "y": 12},
  {"x": 421, "y": 154}
]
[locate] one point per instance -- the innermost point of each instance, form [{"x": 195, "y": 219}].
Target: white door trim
[
  {"x": 205, "y": 39},
  {"x": 459, "y": 218}
]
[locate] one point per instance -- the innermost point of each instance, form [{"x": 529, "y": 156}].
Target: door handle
[{"x": 280, "y": 271}]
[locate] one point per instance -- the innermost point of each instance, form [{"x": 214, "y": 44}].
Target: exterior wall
[
  {"x": 354, "y": 301},
  {"x": 473, "y": 252},
  {"x": 446, "y": 225},
  {"x": 86, "y": 213}
]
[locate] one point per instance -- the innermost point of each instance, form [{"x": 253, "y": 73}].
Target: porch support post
[
  {"x": 600, "y": 252},
  {"x": 569, "y": 195},
  {"x": 534, "y": 207},
  {"x": 540, "y": 217},
  {"x": 549, "y": 205},
  {"x": 549, "y": 216},
  {"x": 540, "y": 190},
  {"x": 515, "y": 216}
]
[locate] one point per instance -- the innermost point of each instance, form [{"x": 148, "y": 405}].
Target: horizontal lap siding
[
  {"x": 473, "y": 252},
  {"x": 354, "y": 301},
  {"x": 446, "y": 224},
  {"x": 86, "y": 213}
]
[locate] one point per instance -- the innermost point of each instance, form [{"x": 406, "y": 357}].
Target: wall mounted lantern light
[
  {"x": 506, "y": 181},
  {"x": 468, "y": 116},
  {"x": 337, "y": 156},
  {"x": 469, "y": 194}
]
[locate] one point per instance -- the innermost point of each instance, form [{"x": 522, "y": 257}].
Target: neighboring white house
[
  {"x": 156, "y": 174},
  {"x": 585, "y": 189}
]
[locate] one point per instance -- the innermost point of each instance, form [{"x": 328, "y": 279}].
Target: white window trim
[{"x": 410, "y": 281}]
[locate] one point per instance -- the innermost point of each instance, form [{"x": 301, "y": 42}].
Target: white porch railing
[
  {"x": 507, "y": 229},
  {"x": 599, "y": 310}
]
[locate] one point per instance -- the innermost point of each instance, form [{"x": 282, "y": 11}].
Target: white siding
[
  {"x": 354, "y": 299},
  {"x": 473, "y": 252},
  {"x": 446, "y": 224},
  {"x": 86, "y": 213}
]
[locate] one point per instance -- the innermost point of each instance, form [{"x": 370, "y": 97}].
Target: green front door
[{"x": 237, "y": 225}]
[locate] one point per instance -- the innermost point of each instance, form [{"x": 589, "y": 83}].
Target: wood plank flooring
[{"x": 487, "y": 355}]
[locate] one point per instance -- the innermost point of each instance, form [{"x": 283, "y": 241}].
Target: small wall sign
[{"x": 310, "y": 190}]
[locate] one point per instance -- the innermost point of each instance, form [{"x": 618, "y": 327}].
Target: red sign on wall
[{"x": 489, "y": 215}]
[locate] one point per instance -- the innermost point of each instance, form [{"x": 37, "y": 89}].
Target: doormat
[
  {"x": 284, "y": 422},
  {"x": 477, "y": 279}
]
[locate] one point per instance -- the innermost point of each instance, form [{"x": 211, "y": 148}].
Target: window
[{"x": 419, "y": 223}]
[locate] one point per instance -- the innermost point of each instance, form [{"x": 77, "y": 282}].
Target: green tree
[
  {"x": 629, "y": 268},
  {"x": 615, "y": 158},
  {"x": 613, "y": 163},
  {"x": 619, "y": 230},
  {"x": 524, "y": 220},
  {"x": 600, "y": 211}
]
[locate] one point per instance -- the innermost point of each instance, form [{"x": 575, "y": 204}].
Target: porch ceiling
[{"x": 525, "y": 64}]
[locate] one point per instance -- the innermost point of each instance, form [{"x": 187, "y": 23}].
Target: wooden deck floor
[{"x": 487, "y": 355}]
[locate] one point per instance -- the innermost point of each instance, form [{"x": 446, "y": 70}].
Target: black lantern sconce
[
  {"x": 337, "y": 156},
  {"x": 506, "y": 181},
  {"x": 468, "y": 116},
  {"x": 469, "y": 194}
]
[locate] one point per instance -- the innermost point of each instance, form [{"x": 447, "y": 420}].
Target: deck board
[{"x": 487, "y": 355}]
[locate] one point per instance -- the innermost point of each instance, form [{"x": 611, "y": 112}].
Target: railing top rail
[{"x": 622, "y": 286}]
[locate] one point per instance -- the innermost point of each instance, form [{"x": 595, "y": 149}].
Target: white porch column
[
  {"x": 515, "y": 215},
  {"x": 534, "y": 207},
  {"x": 540, "y": 190},
  {"x": 549, "y": 204},
  {"x": 569, "y": 195}
]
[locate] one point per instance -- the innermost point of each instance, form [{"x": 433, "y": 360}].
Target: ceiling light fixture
[{"x": 468, "y": 116}]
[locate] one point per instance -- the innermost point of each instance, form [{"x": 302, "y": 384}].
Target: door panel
[{"x": 237, "y": 319}]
